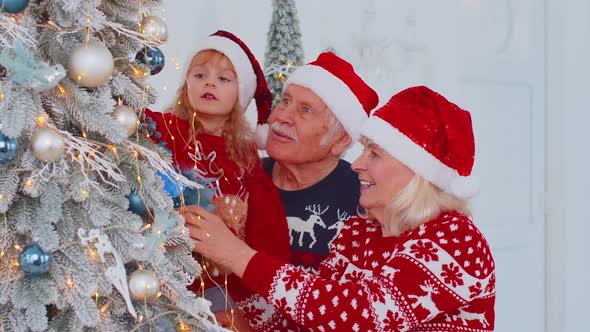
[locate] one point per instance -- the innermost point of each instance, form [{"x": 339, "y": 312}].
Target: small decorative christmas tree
[
  {"x": 89, "y": 240},
  {"x": 284, "y": 50}
]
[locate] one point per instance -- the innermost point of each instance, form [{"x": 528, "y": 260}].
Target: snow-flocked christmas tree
[
  {"x": 284, "y": 50},
  {"x": 89, "y": 240}
]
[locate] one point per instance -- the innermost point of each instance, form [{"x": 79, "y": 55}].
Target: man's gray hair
[{"x": 334, "y": 127}]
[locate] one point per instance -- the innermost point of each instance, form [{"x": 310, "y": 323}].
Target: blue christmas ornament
[
  {"x": 172, "y": 186},
  {"x": 8, "y": 147},
  {"x": 13, "y": 6},
  {"x": 34, "y": 261},
  {"x": 194, "y": 196},
  {"x": 153, "y": 57},
  {"x": 136, "y": 204}
]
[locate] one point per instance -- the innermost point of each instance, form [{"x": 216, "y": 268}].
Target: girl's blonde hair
[
  {"x": 237, "y": 134},
  {"x": 420, "y": 201}
]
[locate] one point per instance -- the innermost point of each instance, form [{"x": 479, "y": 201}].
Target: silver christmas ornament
[
  {"x": 47, "y": 144},
  {"x": 156, "y": 27},
  {"x": 143, "y": 285},
  {"x": 126, "y": 117},
  {"x": 90, "y": 65}
]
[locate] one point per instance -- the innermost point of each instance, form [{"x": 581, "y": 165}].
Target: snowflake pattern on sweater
[{"x": 437, "y": 277}]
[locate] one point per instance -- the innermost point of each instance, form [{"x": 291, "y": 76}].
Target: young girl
[{"x": 207, "y": 133}]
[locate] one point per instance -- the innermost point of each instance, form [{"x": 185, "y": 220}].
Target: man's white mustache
[{"x": 283, "y": 130}]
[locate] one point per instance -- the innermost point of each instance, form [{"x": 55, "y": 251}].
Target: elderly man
[{"x": 324, "y": 103}]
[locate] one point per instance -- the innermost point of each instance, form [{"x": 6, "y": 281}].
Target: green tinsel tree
[
  {"x": 70, "y": 166},
  {"x": 284, "y": 50}
]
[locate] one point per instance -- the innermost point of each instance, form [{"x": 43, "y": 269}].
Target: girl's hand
[{"x": 216, "y": 242}]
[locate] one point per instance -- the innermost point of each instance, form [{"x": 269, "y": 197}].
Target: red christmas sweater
[
  {"x": 248, "y": 203},
  {"x": 437, "y": 277}
]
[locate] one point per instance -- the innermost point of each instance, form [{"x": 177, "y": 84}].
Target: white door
[{"x": 488, "y": 57}]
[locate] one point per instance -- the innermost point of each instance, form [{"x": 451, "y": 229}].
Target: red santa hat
[
  {"x": 428, "y": 134},
  {"x": 346, "y": 94},
  {"x": 251, "y": 81}
]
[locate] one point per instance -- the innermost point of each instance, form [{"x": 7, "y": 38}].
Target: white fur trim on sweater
[
  {"x": 241, "y": 63},
  {"x": 418, "y": 159},
  {"x": 335, "y": 93}
]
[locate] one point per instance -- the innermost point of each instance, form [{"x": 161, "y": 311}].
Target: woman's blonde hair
[
  {"x": 237, "y": 134},
  {"x": 420, "y": 201}
]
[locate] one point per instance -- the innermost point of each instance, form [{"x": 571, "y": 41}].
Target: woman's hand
[{"x": 216, "y": 242}]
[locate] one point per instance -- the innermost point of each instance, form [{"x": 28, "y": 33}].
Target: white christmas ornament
[
  {"x": 143, "y": 285},
  {"x": 90, "y": 65},
  {"x": 156, "y": 27},
  {"x": 116, "y": 274},
  {"x": 126, "y": 117},
  {"x": 47, "y": 144}
]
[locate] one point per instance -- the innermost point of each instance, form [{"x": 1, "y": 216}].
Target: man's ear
[{"x": 341, "y": 144}]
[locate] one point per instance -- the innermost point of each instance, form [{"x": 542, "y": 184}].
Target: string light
[
  {"x": 41, "y": 120},
  {"x": 184, "y": 327},
  {"x": 17, "y": 247},
  {"x": 61, "y": 90},
  {"x": 69, "y": 282},
  {"x": 84, "y": 193}
]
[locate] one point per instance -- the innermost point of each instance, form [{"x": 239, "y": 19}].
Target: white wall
[
  {"x": 520, "y": 66},
  {"x": 568, "y": 162}
]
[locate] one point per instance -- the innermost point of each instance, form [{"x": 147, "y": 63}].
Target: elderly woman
[{"x": 415, "y": 262}]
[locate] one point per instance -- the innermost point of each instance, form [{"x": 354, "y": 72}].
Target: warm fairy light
[
  {"x": 148, "y": 226},
  {"x": 138, "y": 178},
  {"x": 1, "y": 197},
  {"x": 202, "y": 284},
  {"x": 41, "y": 120},
  {"x": 88, "y": 20},
  {"x": 159, "y": 295},
  {"x": 172, "y": 137},
  {"x": 96, "y": 295},
  {"x": 280, "y": 76},
  {"x": 84, "y": 193},
  {"x": 103, "y": 309},
  {"x": 79, "y": 157},
  {"x": 15, "y": 264},
  {"x": 61, "y": 90},
  {"x": 184, "y": 327},
  {"x": 17, "y": 247},
  {"x": 183, "y": 231},
  {"x": 140, "y": 318},
  {"x": 2, "y": 253},
  {"x": 1, "y": 96},
  {"x": 84, "y": 134},
  {"x": 69, "y": 282}
]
